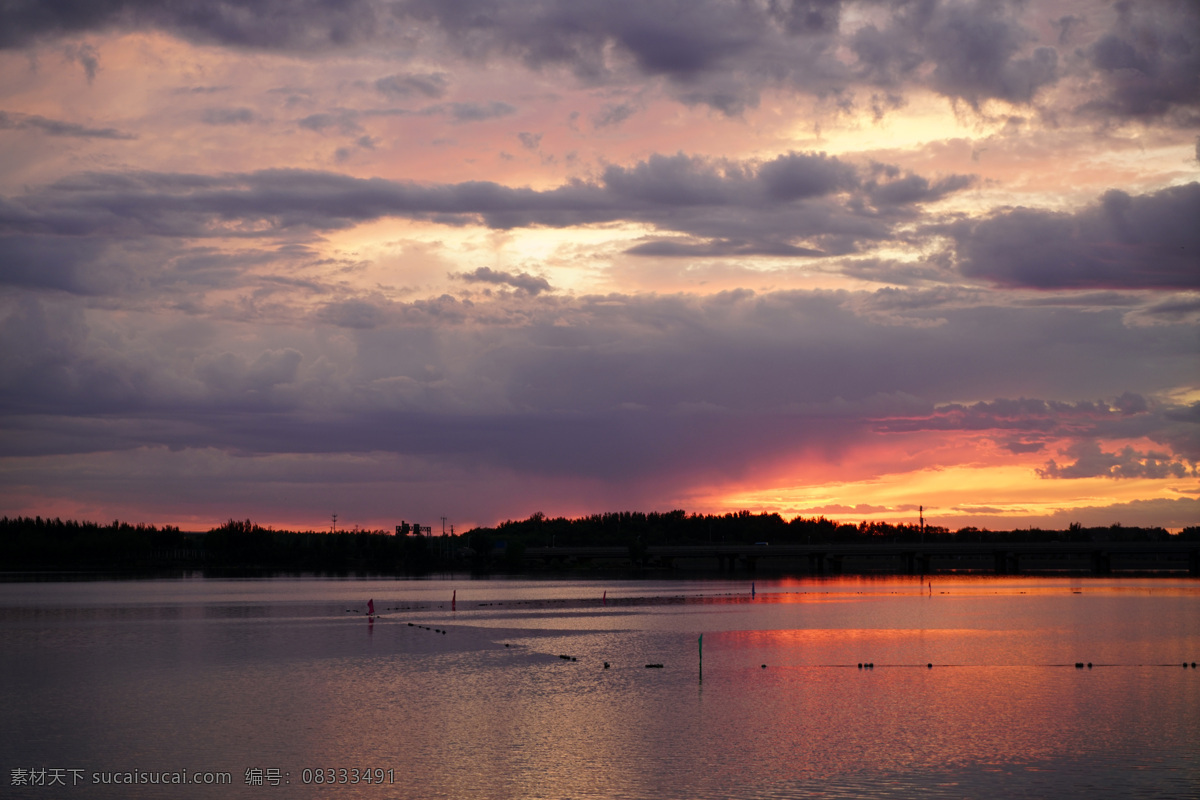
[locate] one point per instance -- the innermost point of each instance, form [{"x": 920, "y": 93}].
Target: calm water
[{"x": 272, "y": 680}]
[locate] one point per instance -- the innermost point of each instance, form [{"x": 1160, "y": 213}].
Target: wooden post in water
[{"x": 702, "y": 658}]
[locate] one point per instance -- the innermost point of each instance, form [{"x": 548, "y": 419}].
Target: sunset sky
[{"x": 475, "y": 259}]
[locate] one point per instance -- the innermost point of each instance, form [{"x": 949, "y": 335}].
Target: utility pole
[{"x": 334, "y": 523}]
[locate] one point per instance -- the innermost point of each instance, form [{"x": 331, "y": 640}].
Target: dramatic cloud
[
  {"x": 1091, "y": 461},
  {"x": 799, "y": 204},
  {"x": 483, "y": 257},
  {"x": 1149, "y": 62},
  {"x": 719, "y": 53},
  {"x": 524, "y": 281},
  {"x": 974, "y": 50},
  {"x": 1145, "y": 241},
  {"x": 281, "y": 24}
]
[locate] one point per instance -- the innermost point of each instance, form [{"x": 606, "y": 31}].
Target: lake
[{"x": 462, "y": 688}]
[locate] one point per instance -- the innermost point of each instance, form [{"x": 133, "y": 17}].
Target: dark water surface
[{"x": 273, "y": 680}]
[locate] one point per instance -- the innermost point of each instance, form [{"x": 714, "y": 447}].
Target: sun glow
[{"x": 951, "y": 496}]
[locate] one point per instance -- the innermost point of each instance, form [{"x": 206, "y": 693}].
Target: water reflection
[{"x": 475, "y": 701}]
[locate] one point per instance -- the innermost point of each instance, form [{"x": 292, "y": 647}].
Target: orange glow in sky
[{"x": 394, "y": 265}]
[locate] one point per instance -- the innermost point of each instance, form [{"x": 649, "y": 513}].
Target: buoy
[
  {"x": 1078, "y": 665},
  {"x": 764, "y": 666},
  {"x": 606, "y": 665},
  {"x": 929, "y": 666},
  {"x": 1089, "y": 665},
  {"x": 860, "y": 665}
]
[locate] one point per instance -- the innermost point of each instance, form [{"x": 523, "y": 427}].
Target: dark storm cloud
[
  {"x": 270, "y": 24},
  {"x": 798, "y": 175},
  {"x": 677, "y": 180},
  {"x": 1149, "y": 62},
  {"x": 710, "y": 52},
  {"x": 1124, "y": 241},
  {"x": 800, "y": 204},
  {"x": 1093, "y": 462},
  {"x": 53, "y": 127},
  {"x": 616, "y": 387},
  {"x": 519, "y": 280},
  {"x": 1024, "y": 414},
  {"x": 889, "y": 188},
  {"x": 972, "y": 51},
  {"x": 720, "y": 53},
  {"x": 1026, "y": 424},
  {"x": 723, "y": 54},
  {"x": 976, "y": 55},
  {"x": 63, "y": 263}
]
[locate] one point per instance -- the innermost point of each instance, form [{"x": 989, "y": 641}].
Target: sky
[{"x": 474, "y": 259}]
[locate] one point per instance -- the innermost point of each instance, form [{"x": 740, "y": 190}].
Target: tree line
[
  {"x": 36, "y": 543},
  {"x": 743, "y": 527}
]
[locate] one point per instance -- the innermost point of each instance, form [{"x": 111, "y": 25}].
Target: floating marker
[
  {"x": 604, "y": 598},
  {"x": 371, "y": 607},
  {"x": 453, "y": 600}
]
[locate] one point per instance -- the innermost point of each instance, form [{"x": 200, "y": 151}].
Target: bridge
[{"x": 914, "y": 558}]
